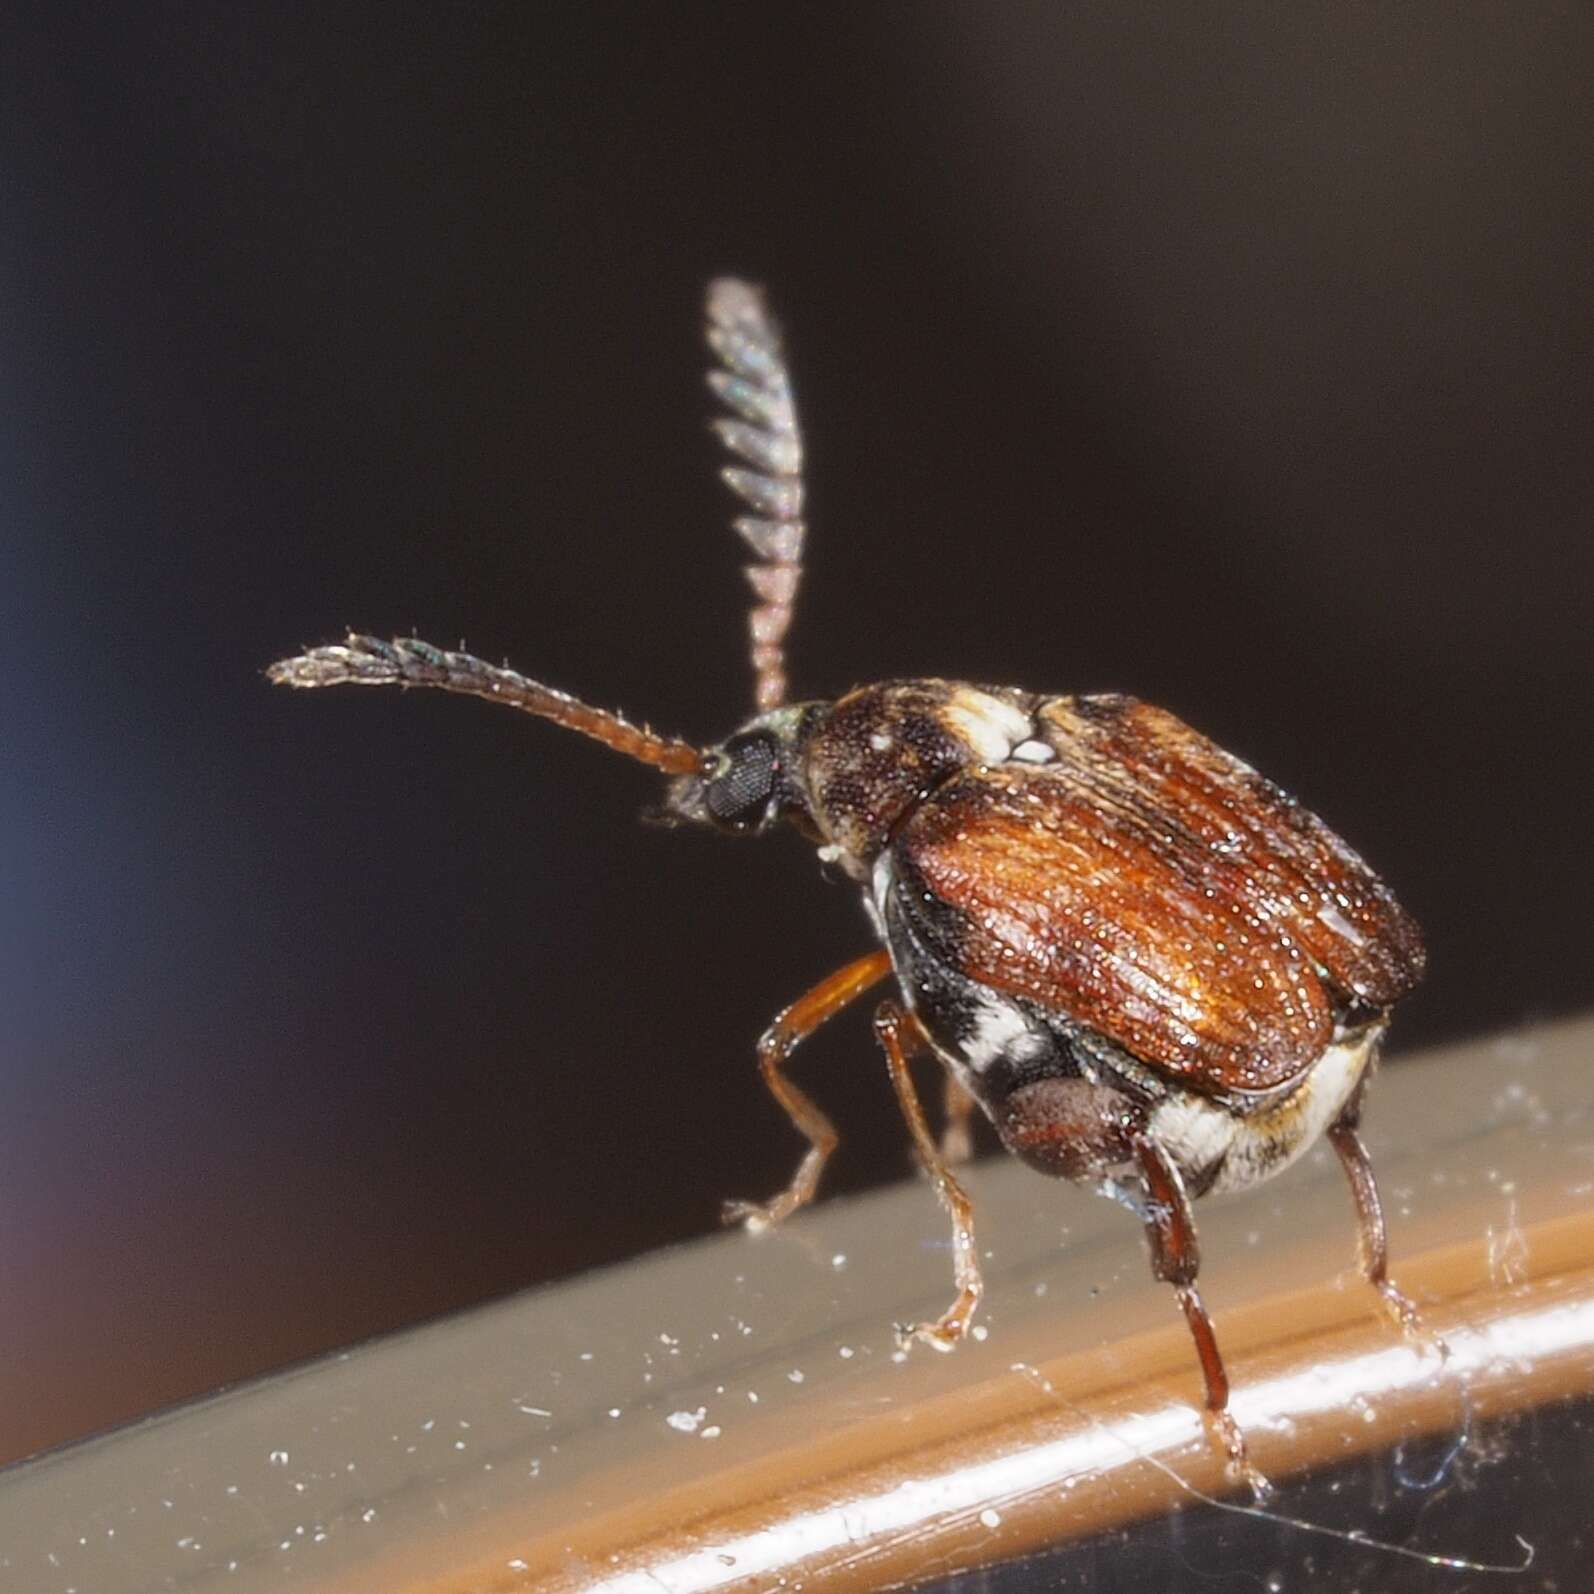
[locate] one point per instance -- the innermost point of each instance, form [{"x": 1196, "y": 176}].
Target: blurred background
[{"x": 1235, "y": 357}]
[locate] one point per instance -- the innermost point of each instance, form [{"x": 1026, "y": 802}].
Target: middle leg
[{"x": 957, "y": 1122}]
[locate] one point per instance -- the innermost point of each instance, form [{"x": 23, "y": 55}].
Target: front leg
[
  {"x": 777, "y": 1043},
  {"x": 898, "y": 1032}
]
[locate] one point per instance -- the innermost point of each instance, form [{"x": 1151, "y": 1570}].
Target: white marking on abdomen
[
  {"x": 1001, "y": 1030},
  {"x": 1198, "y": 1132}
]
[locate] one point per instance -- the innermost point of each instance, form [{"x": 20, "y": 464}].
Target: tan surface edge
[{"x": 735, "y": 1411}]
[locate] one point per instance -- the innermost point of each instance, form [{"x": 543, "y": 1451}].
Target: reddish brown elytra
[{"x": 1154, "y": 971}]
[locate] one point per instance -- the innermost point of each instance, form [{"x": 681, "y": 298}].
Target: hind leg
[
  {"x": 1372, "y": 1239},
  {"x": 1176, "y": 1260}
]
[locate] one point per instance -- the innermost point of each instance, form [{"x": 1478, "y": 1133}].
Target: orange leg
[
  {"x": 898, "y": 1032},
  {"x": 778, "y": 1042},
  {"x": 957, "y": 1130}
]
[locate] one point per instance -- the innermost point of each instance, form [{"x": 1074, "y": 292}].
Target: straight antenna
[
  {"x": 407, "y": 661},
  {"x": 755, "y": 386}
]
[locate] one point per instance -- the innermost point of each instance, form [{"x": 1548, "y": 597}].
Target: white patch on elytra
[
  {"x": 1197, "y": 1132},
  {"x": 1033, "y": 752},
  {"x": 880, "y": 741},
  {"x": 989, "y": 726}
]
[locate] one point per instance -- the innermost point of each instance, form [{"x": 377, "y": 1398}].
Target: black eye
[{"x": 738, "y": 795}]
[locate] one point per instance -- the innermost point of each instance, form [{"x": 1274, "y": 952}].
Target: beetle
[{"x": 1154, "y": 971}]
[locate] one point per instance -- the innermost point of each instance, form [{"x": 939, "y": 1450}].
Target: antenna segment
[{"x": 753, "y": 383}]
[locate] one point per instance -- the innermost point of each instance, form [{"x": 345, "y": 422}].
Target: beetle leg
[
  {"x": 777, "y": 1043},
  {"x": 957, "y": 1129},
  {"x": 1372, "y": 1241},
  {"x": 898, "y": 1032},
  {"x": 1176, "y": 1260}
]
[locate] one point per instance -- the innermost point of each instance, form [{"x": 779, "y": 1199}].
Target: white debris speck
[
  {"x": 795, "y": 1375},
  {"x": 991, "y": 1519},
  {"x": 839, "y": 1260},
  {"x": 711, "y": 1432},
  {"x": 614, "y": 1411},
  {"x": 752, "y": 1395},
  {"x": 687, "y": 1421},
  {"x": 368, "y": 1514},
  {"x": 189, "y": 1542},
  {"x": 845, "y": 1353},
  {"x": 278, "y": 1458},
  {"x": 585, "y": 1356},
  {"x": 1336, "y": 921},
  {"x": 516, "y": 1565},
  {"x": 534, "y": 1411},
  {"x": 980, "y": 1331}
]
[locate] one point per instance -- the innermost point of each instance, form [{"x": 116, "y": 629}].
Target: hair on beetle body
[{"x": 1154, "y": 971}]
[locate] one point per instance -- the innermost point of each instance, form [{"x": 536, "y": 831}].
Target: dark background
[{"x": 1237, "y": 357}]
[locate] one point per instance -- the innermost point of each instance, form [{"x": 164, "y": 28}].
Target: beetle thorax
[{"x": 869, "y": 760}]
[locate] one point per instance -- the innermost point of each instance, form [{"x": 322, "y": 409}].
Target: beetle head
[{"x": 749, "y": 781}]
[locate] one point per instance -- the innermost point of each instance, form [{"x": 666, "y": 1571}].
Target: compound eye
[{"x": 737, "y": 795}]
